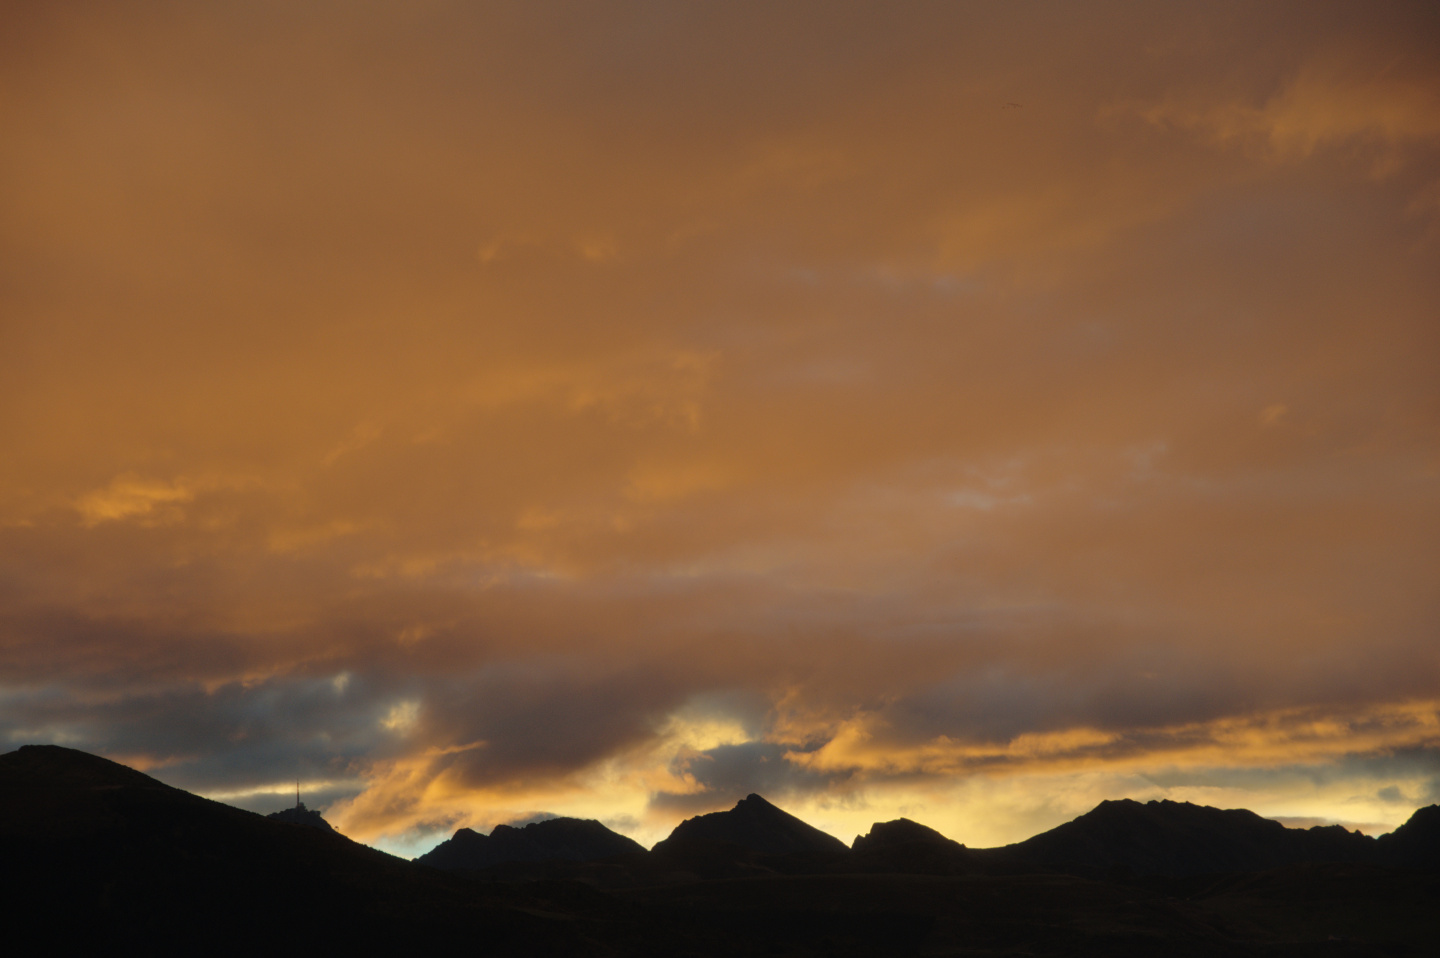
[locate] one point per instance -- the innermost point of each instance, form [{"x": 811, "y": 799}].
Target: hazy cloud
[{"x": 975, "y": 410}]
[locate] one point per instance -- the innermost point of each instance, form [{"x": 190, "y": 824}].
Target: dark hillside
[
  {"x": 1416, "y": 844},
  {"x": 102, "y": 857}
]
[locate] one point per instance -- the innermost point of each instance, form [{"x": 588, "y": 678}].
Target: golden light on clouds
[{"x": 968, "y": 412}]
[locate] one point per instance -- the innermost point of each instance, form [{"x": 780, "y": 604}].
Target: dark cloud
[
  {"x": 539, "y": 721},
  {"x": 273, "y": 730},
  {"x": 727, "y": 773}
]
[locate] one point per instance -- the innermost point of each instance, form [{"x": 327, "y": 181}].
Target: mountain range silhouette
[
  {"x": 1117, "y": 839},
  {"x": 99, "y": 856}
]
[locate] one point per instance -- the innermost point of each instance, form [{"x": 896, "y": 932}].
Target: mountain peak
[
  {"x": 901, "y": 831},
  {"x": 757, "y": 824}
]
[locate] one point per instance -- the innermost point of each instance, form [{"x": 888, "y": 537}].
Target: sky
[{"x": 960, "y": 411}]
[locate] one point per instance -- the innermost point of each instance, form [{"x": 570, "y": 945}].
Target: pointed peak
[{"x": 758, "y": 825}]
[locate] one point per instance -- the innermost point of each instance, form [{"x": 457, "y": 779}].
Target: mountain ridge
[
  {"x": 1164, "y": 837},
  {"x": 124, "y": 862},
  {"x": 554, "y": 839},
  {"x": 1160, "y": 837}
]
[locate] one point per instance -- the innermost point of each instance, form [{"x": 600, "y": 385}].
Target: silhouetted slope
[
  {"x": 300, "y": 815},
  {"x": 56, "y": 767},
  {"x": 557, "y": 839},
  {"x": 1416, "y": 844},
  {"x": 756, "y": 825},
  {"x": 1178, "y": 838},
  {"x": 101, "y": 857}
]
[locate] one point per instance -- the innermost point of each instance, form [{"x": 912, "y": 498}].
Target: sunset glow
[{"x": 968, "y": 412}]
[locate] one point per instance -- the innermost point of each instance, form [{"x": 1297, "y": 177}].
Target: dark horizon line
[{"x": 527, "y": 824}]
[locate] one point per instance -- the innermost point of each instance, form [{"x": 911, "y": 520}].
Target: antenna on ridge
[{"x": 297, "y": 793}]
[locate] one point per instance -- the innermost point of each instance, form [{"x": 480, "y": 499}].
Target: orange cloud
[{"x": 938, "y": 409}]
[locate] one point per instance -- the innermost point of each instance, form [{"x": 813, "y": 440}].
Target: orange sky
[{"x": 964, "y": 411}]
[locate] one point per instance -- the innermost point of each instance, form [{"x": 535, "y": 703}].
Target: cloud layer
[{"x": 968, "y": 412}]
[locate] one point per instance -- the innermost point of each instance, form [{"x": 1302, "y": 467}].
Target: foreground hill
[{"x": 99, "y": 858}]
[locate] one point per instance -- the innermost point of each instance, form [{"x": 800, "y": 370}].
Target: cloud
[
  {"x": 129, "y": 497},
  {"x": 1391, "y": 113},
  {"x": 476, "y": 417},
  {"x": 723, "y": 775},
  {"x": 1266, "y": 740}
]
